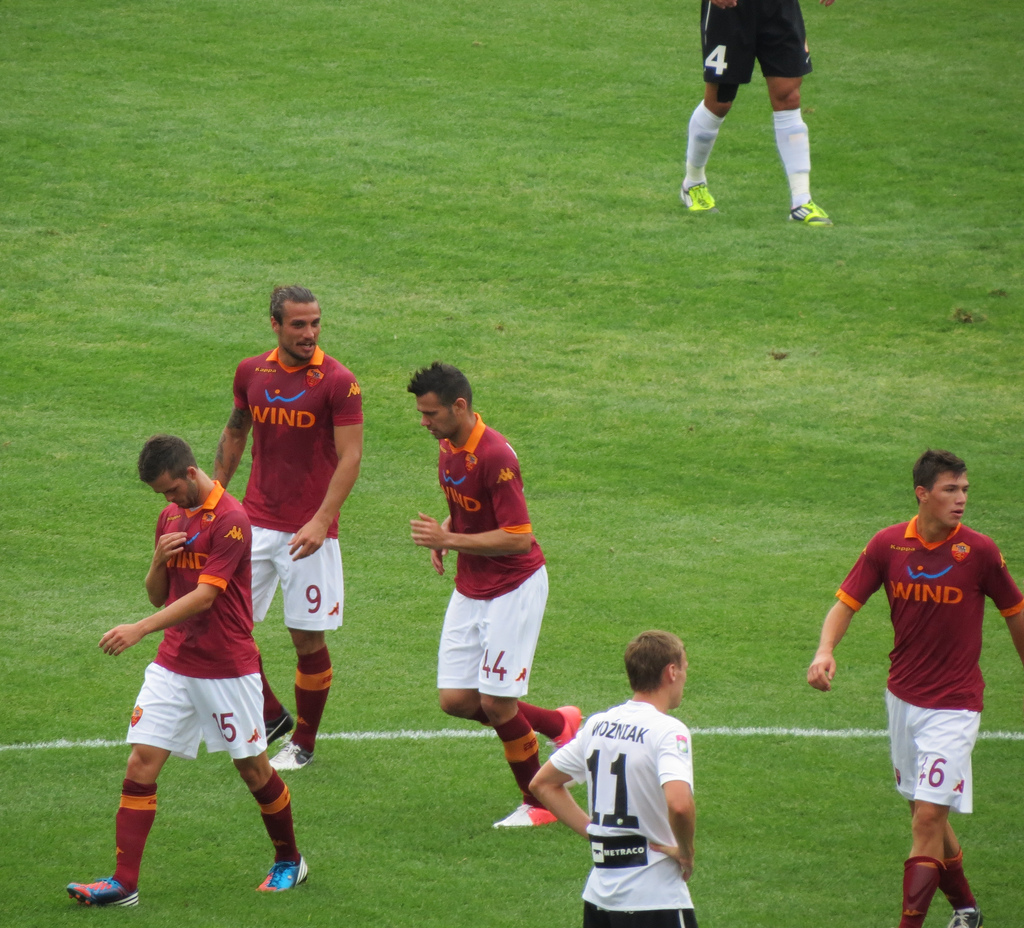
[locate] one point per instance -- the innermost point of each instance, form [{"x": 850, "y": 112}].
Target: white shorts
[
  {"x": 931, "y": 753},
  {"x": 488, "y": 644},
  {"x": 313, "y": 588},
  {"x": 173, "y": 712}
]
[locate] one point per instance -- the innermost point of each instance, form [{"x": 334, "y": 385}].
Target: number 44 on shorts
[{"x": 716, "y": 60}]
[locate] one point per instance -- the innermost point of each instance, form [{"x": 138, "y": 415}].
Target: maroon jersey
[
  {"x": 215, "y": 644},
  {"x": 937, "y": 600},
  {"x": 484, "y": 489},
  {"x": 294, "y": 412}
]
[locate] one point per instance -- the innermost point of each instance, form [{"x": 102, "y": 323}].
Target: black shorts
[
  {"x": 770, "y": 31},
  {"x": 593, "y": 917}
]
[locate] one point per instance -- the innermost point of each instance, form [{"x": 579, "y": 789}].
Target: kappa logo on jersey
[
  {"x": 354, "y": 390},
  {"x": 447, "y": 478},
  {"x": 620, "y": 730},
  {"x": 682, "y": 744},
  {"x": 960, "y": 552},
  {"x": 266, "y": 370},
  {"x": 921, "y": 574},
  {"x": 208, "y": 517},
  {"x": 136, "y": 715},
  {"x": 313, "y": 377},
  {"x": 898, "y": 548},
  {"x": 177, "y": 515},
  {"x": 506, "y": 474},
  {"x": 235, "y": 533}
]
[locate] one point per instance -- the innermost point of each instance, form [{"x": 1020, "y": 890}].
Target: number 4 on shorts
[{"x": 716, "y": 60}]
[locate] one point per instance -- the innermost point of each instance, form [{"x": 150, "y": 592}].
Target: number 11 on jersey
[{"x": 619, "y": 816}]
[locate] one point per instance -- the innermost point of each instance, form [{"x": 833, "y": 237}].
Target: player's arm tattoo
[{"x": 232, "y": 444}]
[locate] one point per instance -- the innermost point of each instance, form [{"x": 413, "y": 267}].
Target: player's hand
[
  {"x": 821, "y": 672},
  {"x": 120, "y": 639},
  {"x": 167, "y": 546},
  {"x": 685, "y": 861},
  {"x": 726, "y": 4},
  {"x": 307, "y": 540}
]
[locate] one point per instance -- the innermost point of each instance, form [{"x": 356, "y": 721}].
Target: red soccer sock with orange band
[
  {"x": 548, "y": 722},
  {"x": 920, "y": 880},
  {"x": 312, "y": 686},
  {"x": 521, "y": 751},
  {"x": 134, "y": 819},
  {"x": 954, "y": 885},
  {"x": 276, "y": 807}
]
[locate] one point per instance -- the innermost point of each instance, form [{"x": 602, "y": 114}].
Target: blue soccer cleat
[
  {"x": 105, "y": 891},
  {"x": 285, "y": 874}
]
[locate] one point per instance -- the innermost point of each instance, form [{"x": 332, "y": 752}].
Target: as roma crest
[
  {"x": 960, "y": 551},
  {"x": 470, "y": 462},
  {"x": 313, "y": 376},
  {"x": 136, "y": 715},
  {"x": 208, "y": 517}
]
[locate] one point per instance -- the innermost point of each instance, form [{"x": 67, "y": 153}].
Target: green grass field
[{"x": 714, "y": 414}]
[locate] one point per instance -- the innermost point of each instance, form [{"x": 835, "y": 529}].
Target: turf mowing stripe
[{"x": 410, "y": 735}]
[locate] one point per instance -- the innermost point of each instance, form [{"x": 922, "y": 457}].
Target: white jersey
[{"x": 625, "y": 755}]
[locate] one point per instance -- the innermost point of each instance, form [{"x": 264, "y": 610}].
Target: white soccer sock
[
  {"x": 795, "y": 151},
  {"x": 704, "y": 126}
]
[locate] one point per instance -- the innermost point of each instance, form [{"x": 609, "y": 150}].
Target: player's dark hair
[
  {"x": 165, "y": 454},
  {"x": 448, "y": 382},
  {"x": 932, "y": 463},
  {"x": 293, "y": 294},
  {"x": 648, "y": 655}
]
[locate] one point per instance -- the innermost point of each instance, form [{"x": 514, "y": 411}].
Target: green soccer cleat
[
  {"x": 810, "y": 214},
  {"x": 698, "y": 199}
]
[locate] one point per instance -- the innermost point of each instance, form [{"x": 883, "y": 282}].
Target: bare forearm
[
  {"x": 495, "y": 543},
  {"x": 550, "y": 786},
  {"x": 338, "y": 490},
  {"x": 157, "y": 584},
  {"x": 229, "y": 455},
  {"x": 835, "y": 626}
]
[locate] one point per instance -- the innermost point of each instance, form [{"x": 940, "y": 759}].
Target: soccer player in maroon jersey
[
  {"x": 305, "y": 413},
  {"x": 204, "y": 681},
  {"x": 501, "y": 585},
  {"x": 937, "y": 573}
]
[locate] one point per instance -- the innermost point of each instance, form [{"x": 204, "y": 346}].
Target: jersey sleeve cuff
[
  {"x": 848, "y": 600},
  {"x": 213, "y": 581},
  {"x": 1013, "y": 610},
  {"x": 518, "y": 529}
]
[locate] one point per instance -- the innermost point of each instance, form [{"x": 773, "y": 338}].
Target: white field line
[{"x": 410, "y": 735}]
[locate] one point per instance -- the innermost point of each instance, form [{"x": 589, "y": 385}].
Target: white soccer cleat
[
  {"x": 526, "y": 816},
  {"x": 291, "y": 757}
]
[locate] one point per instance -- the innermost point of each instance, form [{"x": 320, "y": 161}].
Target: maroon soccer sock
[
  {"x": 920, "y": 880},
  {"x": 134, "y": 819},
  {"x": 272, "y": 708},
  {"x": 276, "y": 807},
  {"x": 954, "y": 884},
  {"x": 521, "y": 752},
  {"x": 547, "y": 721},
  {"x": 312, "y": 686}
]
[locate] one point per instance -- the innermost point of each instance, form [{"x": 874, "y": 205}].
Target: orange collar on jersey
[
  {"x": 211, "y": 501},
  {"x": 474, "y": 437},
  {"x": 912, "y": 532},
  {"x": 315, "y": 361}
]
